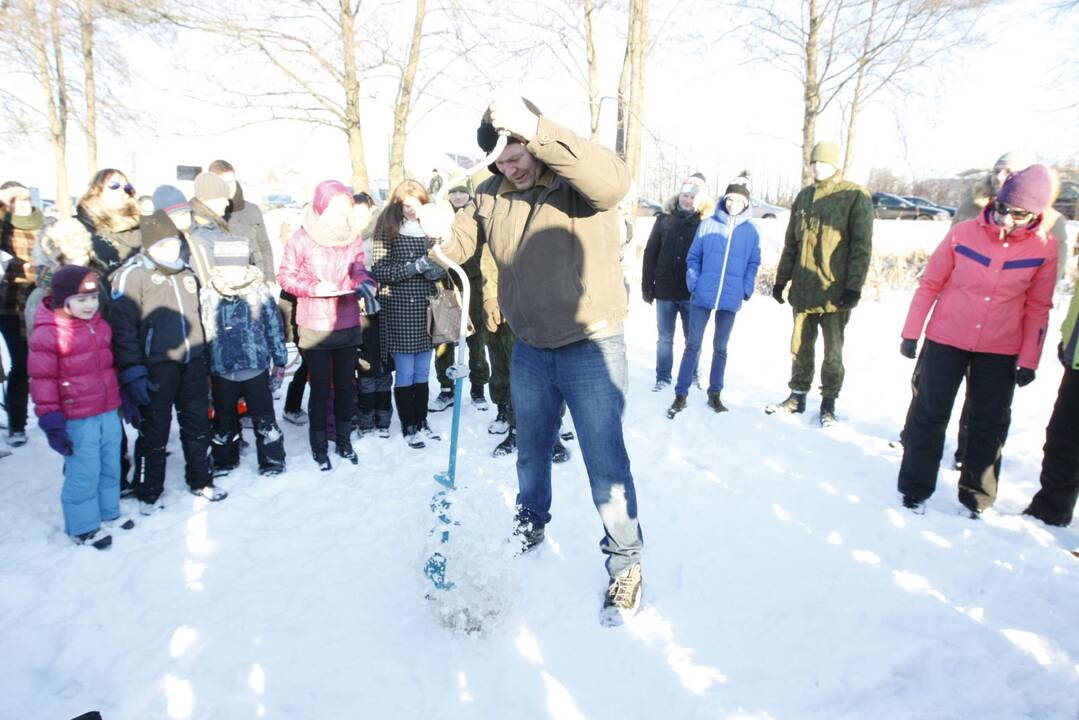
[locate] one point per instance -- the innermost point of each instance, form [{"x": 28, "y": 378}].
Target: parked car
[
  {"x": 280, "y": 200},
  {"x": 892, "y": 207},
  {"x": 928, "y": 203},
  {"x": 767, "y": 211}
]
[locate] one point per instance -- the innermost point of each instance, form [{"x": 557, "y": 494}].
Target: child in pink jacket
[{"x": 990, "y": 287}]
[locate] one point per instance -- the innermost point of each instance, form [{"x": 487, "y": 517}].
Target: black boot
[
  {"x": 677, "y": 406},
  {"x": 225, "y": 451},
  {"x": 715, "y": 403},
  {"x": 344, "y": 448},
  {"x": 149, "y": 479},
  {"x": 561, "y": 452},
  {"x": 403, "y": 397},
  {"x": 320, "y": 449},
  {"x": 795, "y": 403},
  {"x": 507, "y": 446},
  {"x": 422, "y": 393},
  {"x": 827, "y": 413}
]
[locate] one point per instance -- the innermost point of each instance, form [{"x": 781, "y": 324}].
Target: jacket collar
[
  {"x": 546, "y": 179},
  {"x": 991, "y": 228}
]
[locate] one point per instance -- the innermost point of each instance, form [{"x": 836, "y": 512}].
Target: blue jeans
[
  {"x": 91, "y": 490},
  {"x": 667, "y": 312},
  {"x": 590, "y": 377},
  {"x": 698, "y": 321},
  {"x": 412, "y": 368}
]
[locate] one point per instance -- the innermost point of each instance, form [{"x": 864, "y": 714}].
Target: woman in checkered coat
[{"x": 406, "y": 280}]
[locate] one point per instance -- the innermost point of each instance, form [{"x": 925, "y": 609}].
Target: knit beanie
[
  {"x": 737, "y": 188},
  {"x": 157, "y": 227},
  {"x": 325, "y": 192},
  {"x": 1029, "y": 189},
  {"x": 210, "y": 187},
  {"x": 1015, "y": 160},
  {"x": 73, "y": 280},
  {"x": 826, "y": 152},
  {"x": 171, "y": 200},
  {"x": 231, "y": 250},
  {"x": 458, "y": 188}
]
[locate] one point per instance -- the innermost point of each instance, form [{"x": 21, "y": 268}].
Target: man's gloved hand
[
  {"x": 908, "y": 348},
  {"x": 648, "y": 297},
  {"x": 508, "y": 112},
  {"x": 367, "y": 293},
  {"x": 55, "y": 426},
  {"x": 849, "y": 299},
  {"x": 1024, "y": 377},
  {"x": 777, "y": 292},
  {"x": 492, "y": 314},
  {"x": 136, "y": 381},
  {"x": 436, "y": 219},
  {"x": 277, "y": 377}
]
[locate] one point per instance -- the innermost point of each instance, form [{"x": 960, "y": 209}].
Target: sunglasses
[
  {"x": 128, "y": 188},
  {"x": 1017, "y": 213}
]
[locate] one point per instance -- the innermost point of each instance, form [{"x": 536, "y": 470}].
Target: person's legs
[
  {"x": 225, "y": 443},
  {"x": 684, "y": 310},
  {"x": 724, "y": 324},
  {"x": 108, "y": 486},
  {"x": 294, "y": 393},
  {"x": 16, "y": 396},
  {"x": 383, "y": 403},
  {"x": 318, "y": 374},
  {"x": 154, "y": 428},
  {"x": 964, "y": 424},
  {"x": 1054, "y": 503},
  {"x": 344, "y": 375},
  {"x": 666, "y": 312},
  {"x": 82, "y": 474},
  {"x": 193, "y": 414},
  {"x": 403, "y": 391},
  {"x": 803, "y": 338},
  {"x": 444, "y": 355},
  {"x": 698, "y": 321},
  {"x": 941, "y": 370},
  {"x": 832, "y": 371},
  {"x": 500, "y": 346},
  {"x": 421, "y": 372},
  {"x": 537, "y": 400},
  {"x": 991, "y": 386},
  {"x": 591, "y": 375},
  {"x": 269, "y": 442},
  {"x": 479, "y": 372}
]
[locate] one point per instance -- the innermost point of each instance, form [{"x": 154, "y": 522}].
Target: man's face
[
  {"x": 686, "y": 200},
  {"x": 458, "y": 199},
  {"x": 165, "y": 251},
  {"x": 822, "y": 170},
  {"x": 230, "y": 180},
  {"x": 181, "y": 219},
  {"x": 735, "y": 204},
  {"x": 520, "y": 166}
]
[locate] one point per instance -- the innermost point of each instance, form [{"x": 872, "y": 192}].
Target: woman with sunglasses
[
  {"x": 109, "y": 211},
  {"x": 989, "y": 285}
]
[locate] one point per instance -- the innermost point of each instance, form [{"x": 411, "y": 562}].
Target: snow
[{"x": 782, "y": 577}]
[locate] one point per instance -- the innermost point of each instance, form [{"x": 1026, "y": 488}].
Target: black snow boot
[
  {"x": 344, "y": 448},
  {"x": 320, "y": 449},
  {"x": 677, "y": 406},
  {"x": 795, "y": 403},
  {"x": 422, "y": 392},
  {"x": 527, "y": 532},
  {"x": 404, "y": 398},
  {"x": 507, "y": 446},
  {"x": 827, "y": 413},
  {"x": 715, "y": 403},
  {"x": 561, "y": 452}
]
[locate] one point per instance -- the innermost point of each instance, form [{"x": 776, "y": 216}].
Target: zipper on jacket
[
  {"x": 183, "y": 319},
  {"x": 726, "y": 256}
]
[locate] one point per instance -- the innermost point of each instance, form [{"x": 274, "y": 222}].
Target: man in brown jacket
[{"x": 550, "y": 218}]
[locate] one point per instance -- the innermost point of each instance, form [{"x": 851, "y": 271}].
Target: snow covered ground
[{"x": 782, "y": 578}]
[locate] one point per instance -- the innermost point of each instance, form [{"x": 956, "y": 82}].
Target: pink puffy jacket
[
  {"x": 305, "y": 262},
  {"x": 70, "y": 365},
  {"x": 992, "y": 291}
]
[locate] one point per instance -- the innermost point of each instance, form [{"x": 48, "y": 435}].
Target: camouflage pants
[
  {"x": 803, "y": 340},
  {"x": 479, "y": 373},
  {"x": 500, "y": 346}
]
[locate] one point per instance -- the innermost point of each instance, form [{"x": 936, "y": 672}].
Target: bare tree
[
  {"x": 86, "y": 35},
  {"x": 403, "y": 104},
  {"x": 631, "y": 88}
]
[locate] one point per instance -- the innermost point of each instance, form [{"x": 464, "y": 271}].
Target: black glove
[
  {"x": 1024, "y": 377},
  {"x": 849, "y": 299},
  {"x": 908, "y": 348},
  {"x": 434, "y": 273},
  {"x": 421, "y": 265},
  {"x": 136, "y": 381},
  {"x": 648, "y": 297},
  {"x": 748, "y": 296},
  {"x": 777, "y": 292}
]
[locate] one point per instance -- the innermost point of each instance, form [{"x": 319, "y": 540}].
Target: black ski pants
[
  {"x": 339, "y": 367},
  {"x": 990, "y": 387},
  {"x": 269, "y": 442},
  {"x": 1055, "y": 501}
]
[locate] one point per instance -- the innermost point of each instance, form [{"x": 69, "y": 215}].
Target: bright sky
[{"x": 704, "y": 104}]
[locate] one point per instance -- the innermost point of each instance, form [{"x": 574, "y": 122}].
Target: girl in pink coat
[
  {"x": 323, "y": 266},
  {"x": 76, "y": 396},
  {"x": 989, "y": 285}
]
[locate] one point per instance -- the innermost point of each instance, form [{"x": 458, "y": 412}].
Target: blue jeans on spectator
[
  {"x": 590, "y": 377},
  {"x": 698, "y": 321},
  {"x": 667, "y": 313},
  {"x": 412, "y": 368}
]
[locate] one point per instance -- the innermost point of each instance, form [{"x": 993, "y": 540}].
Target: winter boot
[
  {"x": 320, "y": 448},
  {"x": 443, "y": 400},
  {"x": 561, "y": 452},
  {"x": 344, "y": 448},
  {"x": 827, "y": 413},
  {"x": 677, "y": 406},
  {"x": 915, "y": 506},
  {"x": 661, "y": 385},
  {"x": 210, "y": 492},
  {"x": 500, "y": 425},
  {"x": 422, "y": 392},
  {"x": 507, "y": 446},
  {"x": 97, "y": 539},
  {"x": 623, "y": 597},
  {"x": 479, "y": 400},
  {"x": 383, "y": 412},
  {"x": 527, "y": 532},
  {"x": 404, "y": 399},
  {"x": 296, "y": 417},
  {"x": 715, "y": 403},
  {"x": 795, "y": 403},
  {"x": 149, "y": 476},
  {"x": 225, "y": 450}
]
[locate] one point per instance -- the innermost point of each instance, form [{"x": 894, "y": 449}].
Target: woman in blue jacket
[{"x": 721, "y": 271}]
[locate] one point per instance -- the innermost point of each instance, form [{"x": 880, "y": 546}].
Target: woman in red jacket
[
  {"x": 76, "y": 395},
  {"x": 323, "y": 266},
  {"x": 990, "y": 286}
]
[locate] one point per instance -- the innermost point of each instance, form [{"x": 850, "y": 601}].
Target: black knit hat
[
  {"x": 157, "y": 227},
  {"x": 737, "y": 188},
  {"x": 487, "y": 135}
]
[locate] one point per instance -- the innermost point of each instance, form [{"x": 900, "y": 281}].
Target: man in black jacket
[{"x": 663, "y": 278}]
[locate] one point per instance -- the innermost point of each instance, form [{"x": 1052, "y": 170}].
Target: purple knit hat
[
  {"x": 73, "y": 280},
  {"x": 1029, "y": 189}
]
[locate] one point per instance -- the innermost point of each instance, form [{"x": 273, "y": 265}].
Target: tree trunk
[
  {"x": 593, "y": 69},
  {"x": 86, "y": 25},
  {"x": 352, "y": 100},
  {"x": 55, "y": 108},
  {"x": 636, "y": 100},
  {"x": 624, "y": 83},
  {"x": 811, "y": 92},
  {"x": 403, "y": 105},
  {"x": 859, "y": 83}
]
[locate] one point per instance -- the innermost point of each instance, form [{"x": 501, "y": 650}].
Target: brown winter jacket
[{"x": 556, "y": 245}]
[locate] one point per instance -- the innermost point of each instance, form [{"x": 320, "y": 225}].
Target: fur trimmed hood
[
  {"x": 703, "y": 204},
  {"x": 101, "y": 218}
]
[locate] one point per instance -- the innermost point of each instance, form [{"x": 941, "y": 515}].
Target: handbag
[{"x": 444, "y": 316}]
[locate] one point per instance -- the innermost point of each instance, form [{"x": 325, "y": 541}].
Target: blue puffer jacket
[
  {"x": 720, "y": 274},
  {"x": 243, "y": 326}
]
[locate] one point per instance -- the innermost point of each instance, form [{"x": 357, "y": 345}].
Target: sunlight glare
[
  {"x": 1034, "y": 645},
  {"x": 257, "y": 679},
  {"x": 897, "y": 520},
  {"x": 559, "y": 701},
  {"x": 780, "y": 512},
  {"x": 179, "y": 698},
  {"x": 936, "y": 539},
  {"x": 866, "y": 557},
  {"x": 462, "y": 682},
  {"x": 834, "y": 538},
  {"x": 914, "y": 583},
  {"x": 528, "y": 646},
  {"x": 182, "y": 640},
  {"x": 198, "y": 541}
]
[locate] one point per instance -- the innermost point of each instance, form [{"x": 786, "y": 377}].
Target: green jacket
[
  {"x": 1069, "y": 332},
  {"x": 556, "y": 245},
  {"x": 828, "y": 244}
]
